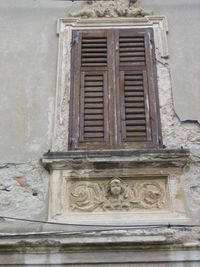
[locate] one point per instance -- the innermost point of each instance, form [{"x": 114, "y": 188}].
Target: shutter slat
[
  {"x": 135, "y": 122},
  {"x": 92, "y": 94},
  {"x": 134, "y": 104},
  {"x": 93, "y": 111},
  {"x": 134, "y": 116},
  {"x": 93, "y": 105},
  {"x": 131, "y": 49},
  {"x": 93, "y": 135},
  {"x": 92, "y": 117},
  {"x": 131, "y": 39},
  {"x": 131, "y": 44},
  {"x": 93, "y": 123},
  {"x": 136, "y": 128},
  {"x": 134, "y": 92},
  {"x": 93, "y": 129},
  {"x": 93, "y": 100},
  {"x": 135, "y": 110},
  {"x": 133, "y": 82},
  {"x": 134, "y": 99},
  {"x": 136, "y": 134}
]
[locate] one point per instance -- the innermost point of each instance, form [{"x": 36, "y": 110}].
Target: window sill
[{"x": 107, "y": 159}]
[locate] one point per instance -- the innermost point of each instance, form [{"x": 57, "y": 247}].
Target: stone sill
[{"x": 108, "y": 159}]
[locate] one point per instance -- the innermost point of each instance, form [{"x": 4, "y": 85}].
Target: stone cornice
[
  {"x": 116, "y": 159},
  {"x": 148, "y": 238}
]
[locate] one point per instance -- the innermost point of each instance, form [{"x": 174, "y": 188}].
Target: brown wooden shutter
[
  {"x": 114, "y": 97},
  {"x": 138, "y": 107},
  {"x": 90, "y": 101}
]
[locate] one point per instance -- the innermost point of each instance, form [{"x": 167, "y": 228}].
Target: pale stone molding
[
  {"x": 81, "y": 246},
  {"x": 64, "y": 28}
]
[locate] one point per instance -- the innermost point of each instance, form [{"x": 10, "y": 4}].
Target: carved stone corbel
[{"x": 111, "y": 9}]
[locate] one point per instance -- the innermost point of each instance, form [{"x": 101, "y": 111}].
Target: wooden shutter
[
  {"x": 138, "y": 119},
  {"x": 90, "y": 102},
  {"x": 114, "y": 102}
]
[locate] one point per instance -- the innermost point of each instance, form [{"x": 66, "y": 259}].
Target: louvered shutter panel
[
  {"x": 90, "y": 110},
  {"x": 114, "y": 98},
  {"x": 138, "y": 120}
]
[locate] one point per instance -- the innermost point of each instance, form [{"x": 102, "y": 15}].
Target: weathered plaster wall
[
  {"x": 24, "y": 190},
  {"x": 28, "y": 51}
]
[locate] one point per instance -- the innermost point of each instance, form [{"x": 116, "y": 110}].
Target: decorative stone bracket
[
  {"x": 117, "y": 186},
  {"x": 111, "y": 9}
]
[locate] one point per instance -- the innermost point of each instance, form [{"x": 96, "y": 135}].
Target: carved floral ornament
[
  {"x": 111, "y": 9},
  {"x": 117, "y": 195}
]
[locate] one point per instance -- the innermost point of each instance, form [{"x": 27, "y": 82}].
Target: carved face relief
[
  {"x": 115, "y": 187},
  {"x": 116, "y": 195}
]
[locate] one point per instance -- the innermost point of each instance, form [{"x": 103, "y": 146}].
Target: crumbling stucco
[
  {"x": 177, "y": 134},
  {"x": 23, "y": 190}
]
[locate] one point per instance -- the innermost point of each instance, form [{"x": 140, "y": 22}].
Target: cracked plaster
[{"x": 23, "y": 190}]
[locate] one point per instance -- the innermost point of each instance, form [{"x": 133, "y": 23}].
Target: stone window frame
[
  {"x": 67, "y": 165},
  {"x": 65, "y": 26}
]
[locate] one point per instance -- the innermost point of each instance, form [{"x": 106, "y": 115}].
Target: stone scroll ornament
[
  {"x": 111, "y": 9},
  {"x": 116, "y": 195}
]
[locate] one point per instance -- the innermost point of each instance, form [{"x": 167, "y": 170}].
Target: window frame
[{"x": 65, "y": 26}]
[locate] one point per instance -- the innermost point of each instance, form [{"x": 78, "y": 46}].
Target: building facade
[{"x": 100, "y": 141}]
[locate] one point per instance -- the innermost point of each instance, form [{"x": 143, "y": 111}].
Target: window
[{"x": 113, "y": 94}]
